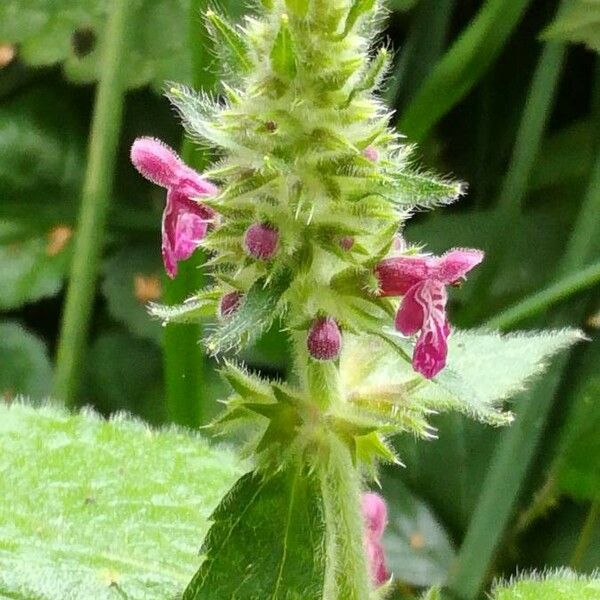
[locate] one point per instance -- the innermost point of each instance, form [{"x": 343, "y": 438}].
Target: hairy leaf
[
  {"x": 558, "y": 585},
  {"x": 114, "y": 510},
  {"x": 578, "y": 23},
  {"x": 255, "y": 315},
  {"x": 483, "y": 370},
  {"x": 25, "y": 367},
  {"x": 272, "y": 546}
]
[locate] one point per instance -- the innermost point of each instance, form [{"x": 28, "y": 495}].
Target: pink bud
[
  {"x": 324, "y": 339},
  {"x": 371, "y": 153},
  {"x": 261, "y": 240},
  {"x": 229, "y": 304},
  {"x": 374, "y": 513},
  {"x": 346, "y": 242}
]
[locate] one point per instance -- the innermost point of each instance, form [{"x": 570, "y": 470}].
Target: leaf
[
  {"x": 231, "y": 45},
  {"x": 132, "y": 279},
  {"x": 33, "y": 267},
  {"x": 556, "y": 585},
  {"x": 579, "y": 22},
  {"x": 483, "y": 369},
  {"x": 283, "y": 53},
  {"x": 257, "y": 312},
  {"x": 579, "y": 456},
  {"x": 72, "y": 32},
  {"x": 113, "y": 510},
  {"x": 357, "y": 10},
  {"x": 417, "y": 548},
  {"x": 424, "y": 190},
  {"x": 125, "y": 374},
  {"x": 25, "y": 366},
  {"x": 269, "y": 532}
]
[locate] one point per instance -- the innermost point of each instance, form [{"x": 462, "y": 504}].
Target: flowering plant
[{"x": 301, "y": 214}]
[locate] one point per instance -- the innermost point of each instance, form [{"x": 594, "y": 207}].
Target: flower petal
[
  {"x": 431, "y": 350},
  {"x": 455, "y": 264},
  {"x": 398, "y": 274},
  {"x": 410, "y": 315},
  {"x": 374, "y": 513},
  {"x": 376, "y": 561},
  {"x": 156, "y": 161}
]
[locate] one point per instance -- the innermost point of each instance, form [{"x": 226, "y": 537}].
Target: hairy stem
[{"x": 95, "y": 201}]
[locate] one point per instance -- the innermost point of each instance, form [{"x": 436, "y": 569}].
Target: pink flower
[
  {"x": 185, "y": 221},
  {"x": 374, "y": 513},
  {"x": 422, "y": 280}
]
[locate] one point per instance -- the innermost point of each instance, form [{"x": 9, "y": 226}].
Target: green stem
[
  {"x": 516, "y": 452},
  {"x": 183, "y": 359},
  {"x": 539, "y": 302},
  {"x": 346, "y": 575},
  {"x": 538, "y": 108},
  {"x": 95, "y": 201},
  {"x": 462, "y": 66},
  {"x": 585, "y": 536}
]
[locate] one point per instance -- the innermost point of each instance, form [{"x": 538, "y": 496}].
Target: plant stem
[
  {"x": 183, "y": 358},
  {"x": 462, "y": 66},
  {"x": 585, "y": 536},
  {"x": 516, "y": 451},
  {"x": 95, "y": 201},
  {"x": 346, "y": 570},
  {"x": 538, "y": 108},
  {"x": 539, "y": 302}
]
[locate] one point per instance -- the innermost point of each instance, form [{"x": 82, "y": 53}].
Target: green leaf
[
  {"x": 558, "y": 585},
  {"x": 257, "y": 312},
  {"x": 26, "y": 368},
  {"x": 483, "y": 370},
  {"x": 283, "y": 53},
  {"x": 418, "y": 550},
  {"x": 357, "y": 10},
  {"x": 579, "y": 22},
  {"x": 132, "y": 279},
  {"x": 33, "y": 267},
  {"x": 424, "y": 190},
  {"x": 579, "y": 455},
  {"x": 72, "y": 32},
  {"x": 125, "y": 374},
  {"x": 114, "y": 510},
  {"x": 201, "y": 306},
  {"x": 275, "y": 535},
  {"x": 231, "y": 45},
  {"x": 298, "y": 8}
]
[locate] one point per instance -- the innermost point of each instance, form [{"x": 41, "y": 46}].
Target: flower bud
[
  {"x": 324, "y": 339},
  {"x": 371, "y": 153},
  {"x": 261, "y": 241},
  {"x": 346, "y": 242},
  {"x": 229, "y": 304}
]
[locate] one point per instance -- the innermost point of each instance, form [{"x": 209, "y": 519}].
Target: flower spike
[
  {"x": 422, "y": 281},
  {"x": 185, "y": 221}
]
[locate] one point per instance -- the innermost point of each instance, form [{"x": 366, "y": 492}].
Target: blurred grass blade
[
  {"x": 538, "y": 109},
  {"x": 515, "y": 454},
  {"x": 462, "y": 66},
  {"x": 184, "y": 360},
  {"x": 537, "y": 303},
  {"x": 95, "y": 201}
]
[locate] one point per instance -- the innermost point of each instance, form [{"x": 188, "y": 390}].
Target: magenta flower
[
  {"x": 374, "y": 513},
  {"x": 185, "y": 221},
  {"x": 422, "y": 280}
]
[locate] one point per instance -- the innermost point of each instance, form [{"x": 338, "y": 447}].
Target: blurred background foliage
[{"x": 504, "y": 94}]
